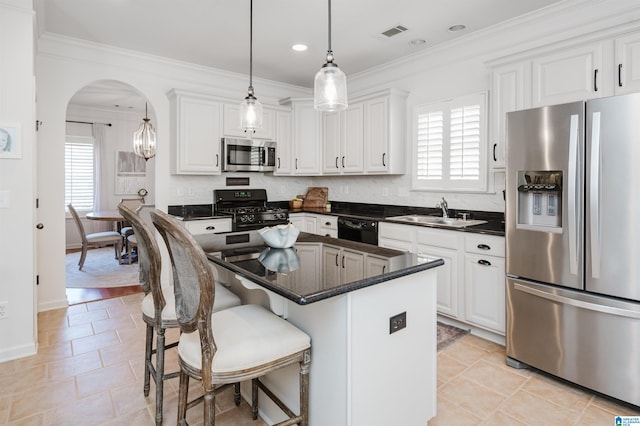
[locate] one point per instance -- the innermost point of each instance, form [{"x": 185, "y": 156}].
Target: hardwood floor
[{"x": 83, "y": 295}]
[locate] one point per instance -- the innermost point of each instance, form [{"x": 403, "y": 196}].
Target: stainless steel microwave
[{"x": 248, "y": 155}]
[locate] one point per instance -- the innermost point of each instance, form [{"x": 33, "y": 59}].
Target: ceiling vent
[{"x": 394, "y": 31}]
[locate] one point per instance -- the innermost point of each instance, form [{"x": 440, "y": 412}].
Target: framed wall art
[
  {"x": 10, "y": 140},
  {"x": 131, "y": 173}
]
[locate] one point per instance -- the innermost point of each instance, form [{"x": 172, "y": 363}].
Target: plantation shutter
[
  {"x": 78, "y": 177},
  {"x": 430, "y": 145},
  {"x": 465, "y": 143}
]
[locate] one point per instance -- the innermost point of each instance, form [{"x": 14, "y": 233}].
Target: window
[
  {"x": 78, "y": 172},
  {"x": 450, "y": 145}
]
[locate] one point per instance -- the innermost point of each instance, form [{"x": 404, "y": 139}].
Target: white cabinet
[
  {"x": 384, "y": 132},
  {"x": 196, "y": 130},
  {"x": 471, "y": 282},
  {"x": 572, "y": 74},
  {"x": 443, "y": 244},
  {"x": 509, "y": 92},
  {"x": 374, "y": 265},
  {"x": 307, "y": 137},
  {"x": 485, "y": 282},
  {"x": 232, "y": 123},
  {"x": 627, "y": 64},
  {"x": 284, "y": 143},
  {"x": 304, "y": 222},
  {"x": 341, "y": 265},
  {"x": 343, "y": 140},
  {"x": 208, "y": 226},
  {"x": 327, "y": 226}
]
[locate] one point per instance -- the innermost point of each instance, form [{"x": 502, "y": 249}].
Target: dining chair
[
  {"x": 126, "y": 228},
  {"x": 96, "y": 239},
  {"x": 131, "y": 243},
  {"x": 236, "y": 344},
  {"x": 158, "y": 305}
]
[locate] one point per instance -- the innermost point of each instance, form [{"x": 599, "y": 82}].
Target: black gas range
[{"x": 247, "y": 208}]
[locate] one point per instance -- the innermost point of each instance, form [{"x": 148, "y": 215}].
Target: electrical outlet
[
  {"x": 4, "y": 310},
  {"x": 397, "y": 322}
]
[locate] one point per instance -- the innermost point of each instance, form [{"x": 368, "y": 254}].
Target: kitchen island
[{"x": 371, "y": 315}]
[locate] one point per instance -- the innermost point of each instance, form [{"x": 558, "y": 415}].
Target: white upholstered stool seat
[
  {"x": 224, "y": 299},
  {"x": 246, "y": 337}
]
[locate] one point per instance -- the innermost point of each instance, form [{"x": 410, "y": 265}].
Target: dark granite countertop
[
  {"x": 296, "y": 273},
  {"x": 494, "y": 220}
]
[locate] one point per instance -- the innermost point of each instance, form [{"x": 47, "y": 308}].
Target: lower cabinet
[
  {"x": 341, "y": 265},
  {"x": 208, "y": 226},
  {"x": 304, "y": 222},
  {"x": 472, "y": 280}
]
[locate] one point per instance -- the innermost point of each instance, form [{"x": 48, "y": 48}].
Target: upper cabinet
[
  {"x": 343, "y": 140},
  {"x": 196, "y": 130},
  {"x": 559, "y": 74},
  {"x": 508, "y": 94},
  {"x": 627, "y": 62},
  {"x": 571, "y": 74},
  {"x": 232, "y": 123},
  {"x": 307, "y": 137},
  {"x": 384, "y": 132},
  {"x": 284, "y": 143}
]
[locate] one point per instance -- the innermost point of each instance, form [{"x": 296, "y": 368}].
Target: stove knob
[{"x": 250, "y": 218}]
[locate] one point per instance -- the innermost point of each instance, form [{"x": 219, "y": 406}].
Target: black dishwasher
[{"x": 361, "y": 230}]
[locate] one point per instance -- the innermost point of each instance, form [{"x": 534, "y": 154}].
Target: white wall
[{"x": 17, "y": 221}]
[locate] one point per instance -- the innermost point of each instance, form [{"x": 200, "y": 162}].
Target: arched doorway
[{"x": 104, "y": 114}]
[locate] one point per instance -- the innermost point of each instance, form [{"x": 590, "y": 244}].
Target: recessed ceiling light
[
  {"x": 455, "y": 28},
  {"x": 299, "y": 47},
  {"x": 418, "y": 41}
]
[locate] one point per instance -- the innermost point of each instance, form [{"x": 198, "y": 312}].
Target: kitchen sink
[{"x": 438, "y": 221}]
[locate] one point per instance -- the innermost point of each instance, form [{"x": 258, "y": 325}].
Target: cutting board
[{"x": 316, "y": 197}]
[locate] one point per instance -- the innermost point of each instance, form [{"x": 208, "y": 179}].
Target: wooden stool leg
[
  {"x": 148, "y": 348},
  {"x": 304, "y": 388},
  {"x": 183, "y": 393},
  {"x": 254, "y": 398},
  {"x": 159, "y": 375}
]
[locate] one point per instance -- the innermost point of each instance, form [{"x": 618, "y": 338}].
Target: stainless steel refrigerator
[{"x": 573, "y": 243}]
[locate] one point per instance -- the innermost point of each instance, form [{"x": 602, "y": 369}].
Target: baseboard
[
  {"x": 53, "y": 304},
  {"x": 18, "y": 352}
]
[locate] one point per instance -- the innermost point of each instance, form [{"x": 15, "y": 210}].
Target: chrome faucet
[{"x": 443, "y": 205}]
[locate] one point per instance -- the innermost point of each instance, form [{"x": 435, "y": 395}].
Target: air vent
[{"x": 394, "y": 31}]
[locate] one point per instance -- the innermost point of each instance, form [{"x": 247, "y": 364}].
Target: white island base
[{"x": 361, "y": 374}]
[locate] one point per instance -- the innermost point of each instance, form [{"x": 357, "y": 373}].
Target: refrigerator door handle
[
  {"x": 594, "y": 195},
  {"x": 576, "y": 302},
  {"x": 572, "y": 190}
]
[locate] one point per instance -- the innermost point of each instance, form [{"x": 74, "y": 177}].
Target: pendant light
[
  {"x": 250, "y": 108},
  {"x": 144, "y": 139},
  {"x": 330, "y": 86}
]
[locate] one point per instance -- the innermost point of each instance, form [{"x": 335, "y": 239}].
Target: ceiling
[{"x": 215, "y": 33}]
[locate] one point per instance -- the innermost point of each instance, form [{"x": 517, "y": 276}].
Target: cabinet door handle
[
  {"x": 620, "y": 75},
  {"x": 337, "y": 167},
  {"x": 337, "y": 260},
  {"x": 384, "y": 268},
  {"x": 384, "y": 154},
  {"x": 484, "y": 262},
  {"x": 484, "y": 247},
  {"x": 278, "y": 162},
  {"x": 495, "y": 145},
  {"x": 217, "y": 160},
  {"x": 296, "y": 164},
  {"x": 595, "y": 80},
  {"x": 343, "y": 262},
  {"x": 327, "y": 223},
  {"x": 210, "y": 228},
  {"x": 343, "y": 162}
]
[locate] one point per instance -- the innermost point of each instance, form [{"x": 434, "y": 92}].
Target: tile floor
[{"x": 88, "y": 371}]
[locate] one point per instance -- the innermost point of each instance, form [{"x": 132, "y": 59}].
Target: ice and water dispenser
[{"x": 540, "y": 200}]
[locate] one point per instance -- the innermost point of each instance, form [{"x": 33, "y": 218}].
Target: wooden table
[{"x": 118, "y": 219}]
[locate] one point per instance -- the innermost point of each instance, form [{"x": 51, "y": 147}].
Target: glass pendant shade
[
  {"x": 250, "y": 114},
  {"x": 330, "y": 84},
  {"x": 330, "y": 89},
  {"x": 144, "y": 139}
]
